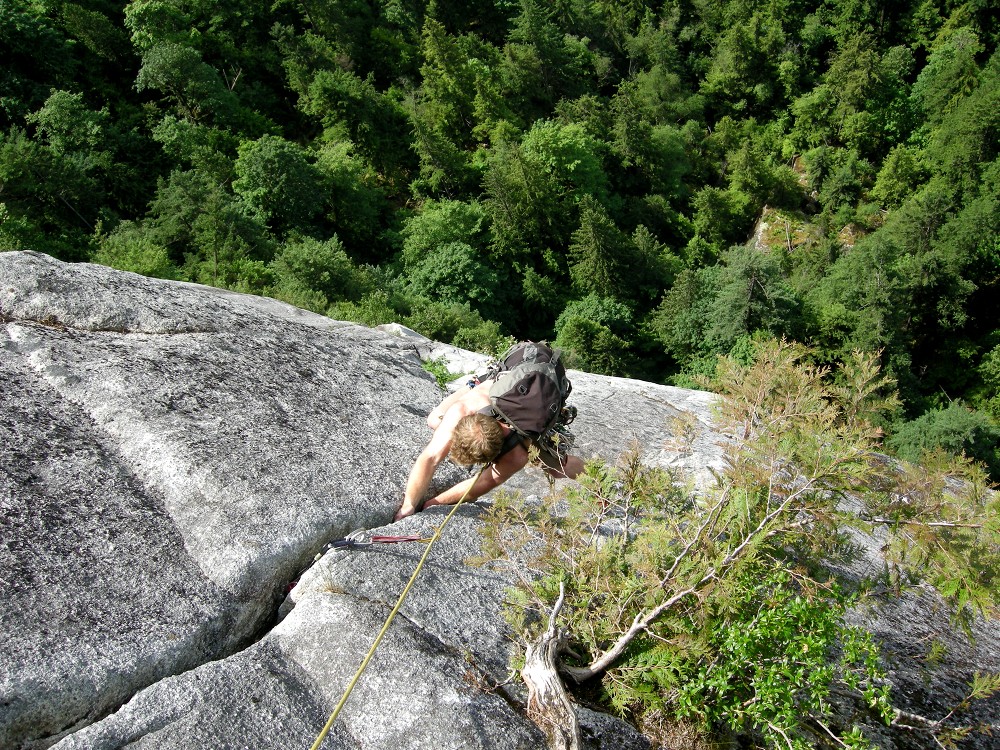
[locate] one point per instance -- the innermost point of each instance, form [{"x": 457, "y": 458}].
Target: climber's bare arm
[
  {"x": 435, "y": 418},
  {"x": 492, "y": 477},
  {"x": 461, "y": 404},
  {"x": 437, "y": 415}
]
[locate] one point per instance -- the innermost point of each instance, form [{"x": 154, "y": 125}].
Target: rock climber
[{"x": 465, "y": 426}]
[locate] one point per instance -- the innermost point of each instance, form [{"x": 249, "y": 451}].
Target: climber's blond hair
[{"x": 477, "y": 440}]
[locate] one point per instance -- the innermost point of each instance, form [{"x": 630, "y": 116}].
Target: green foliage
[
  {"x": 320, "y": 272},
  {"x": 277, "y": 182},
  {"x": 619, "y": 149},
  {"x": 205, "y": 148},
  {"x": 27, "y": 77},
  {"x": 439, "y": 369},
  {"x": 781, "y": 651},
  {"x": 354, "y": 202},
  {"x": 721, "y": 607},
  {"x": 594, "y": 347},
  {"x": 956, "y": 429},
  {"x": 208, "y": 233},
  {"x": 456, "y": 324},
  {"x": 708, "y": 312},
  {"x": 594, "y": 334},
  {"x": 602, "y": 258},
  {"x": 454, "y": 273},
  {"x": 750, "y": 297},
  {"x": 67, "y": 126},
  {"x": 951, "y": 73},
  {"x": 373, "y": 309},
  {"x": 194, "y": 87},
  {"x": 899, "y": 176},
  {"x": 96, "y": 31},
  {"x": 440, "y": 223},
  {"x": 130, "y": 248},
  {"x": 51, "y": 200}
]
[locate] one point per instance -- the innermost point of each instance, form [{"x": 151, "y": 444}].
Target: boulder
[{"x": 176, "y": 456}]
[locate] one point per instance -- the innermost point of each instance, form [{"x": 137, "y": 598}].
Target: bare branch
[{"x": 549, "y": 705}]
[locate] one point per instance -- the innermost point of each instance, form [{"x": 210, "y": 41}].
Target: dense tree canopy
[{"x": 654, "y": 184}]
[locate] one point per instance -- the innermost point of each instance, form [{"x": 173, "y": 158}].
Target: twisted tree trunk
[{"x": 549, "y": 705}]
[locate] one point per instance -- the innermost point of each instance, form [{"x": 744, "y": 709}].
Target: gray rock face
[{"x": 173, "y": 456}]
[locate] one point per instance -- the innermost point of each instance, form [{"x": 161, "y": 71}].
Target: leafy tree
[
  {"x": 445, "y": 169},
  {"x": 679, "y": 321},
  {"x": 373, "y": 309},
  {"x": 898, "y": 177},
  {"x": 860, "y": 303},
  {"x": 594, "y": 333},
  {"x": 458, "y": 89},
  {"x": 755, "y": 172},
  {"x": 968, "y": 137},
  {"x": 751, "y": 296},
  {"x": 351, "y": 106},
  {"x": 595, "y": 348},
  {"x": 543, "y": 64},
  {"x": 281, "y": 188},
  {"x": 457, "y": 324},
  {"x": 131, "y": 248},
  {"x": 602, "y": 258},
  {"x": 721, "y": 217},
  {"x": 208, "y": 233},
  {"x": 195, "y": 88},
  {"x": 742, "y": 74},
  {"x": 950, "y": 74},
  {"x": 605, "y": 311},
  {"x": 842, "y": 186},
  {"x": 206, "y": 148},
  {"x": 68, "y": 127},
  {"x": 355, "y": 202},
  {"x": 653, "y": 156},
  {"x": 97, "y": 32},
  {"x": 51, "y": 202},
  {"x": 569, "y": 156},
  {"x": 714, "y": 310},
  {"x": 660, "y": 96},
  {"x": 233, "y": 40},
  {"x": 454, "y": 272},
  {"x": 863, "y": 102},
  {"x": 442, "y": 222},
  {"x": 27, "y": 77},
  {"x": 459, "y": 105},
  {"x": 814, "y": 124},
  {"x": 344, "y": 25},
  {"x": 153, "y": 22},
  {"x": 308, "y": 267},
  {"x": 534, "y": 188}
]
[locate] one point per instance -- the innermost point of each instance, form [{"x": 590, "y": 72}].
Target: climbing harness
[{"x": 399, "y": 603}]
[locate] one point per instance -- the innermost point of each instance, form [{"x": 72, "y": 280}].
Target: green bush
[
  {"x": 722, "y": 607},
  {"x": 956, "y": 429}
]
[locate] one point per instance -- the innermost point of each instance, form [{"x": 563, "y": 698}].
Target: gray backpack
[{"x": 530, "y": 388}]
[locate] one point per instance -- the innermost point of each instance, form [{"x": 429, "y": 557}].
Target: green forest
[{"x": 647, "y": 184}]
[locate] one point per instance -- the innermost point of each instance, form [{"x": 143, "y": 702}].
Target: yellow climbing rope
[{"x": 392, "y": 615}]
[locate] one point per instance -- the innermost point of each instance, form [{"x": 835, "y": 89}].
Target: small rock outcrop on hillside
[{"x": 174, "y": 457}]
